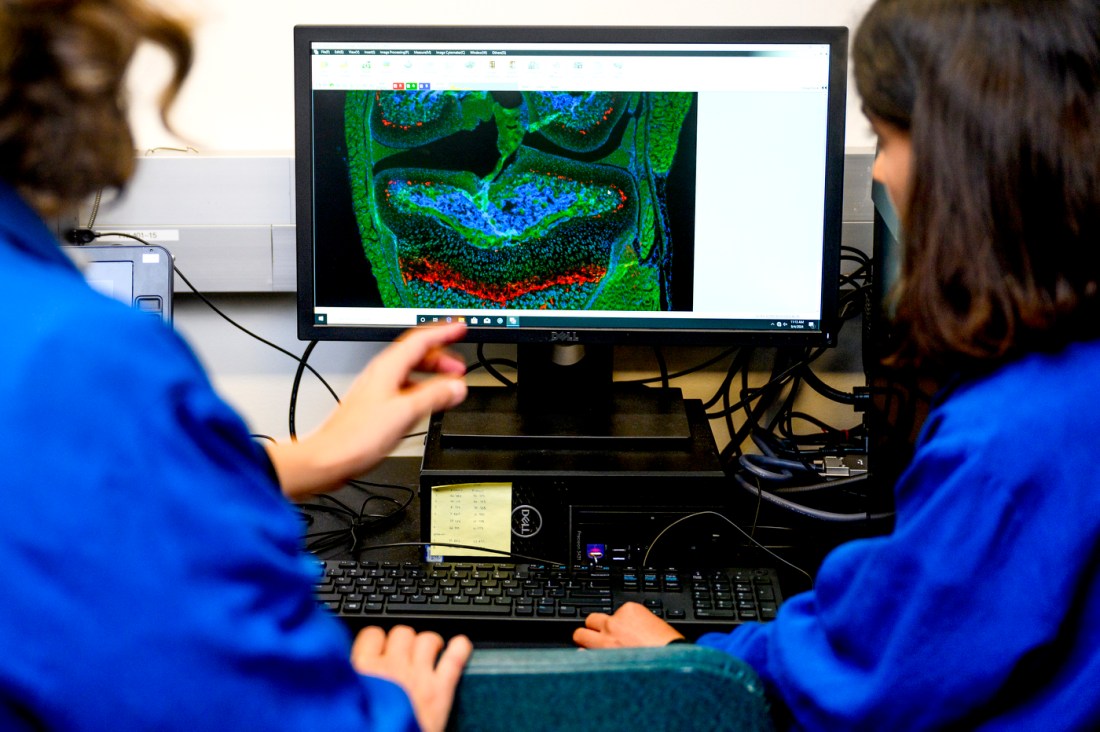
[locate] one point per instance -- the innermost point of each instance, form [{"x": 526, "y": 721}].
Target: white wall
[{"x": 240, "y": 98}]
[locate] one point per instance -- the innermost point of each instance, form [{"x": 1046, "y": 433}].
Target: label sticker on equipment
[{"x": 471, "y": 514}]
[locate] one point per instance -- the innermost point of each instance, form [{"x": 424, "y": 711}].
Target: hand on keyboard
[{"x": 632, "y": 625}]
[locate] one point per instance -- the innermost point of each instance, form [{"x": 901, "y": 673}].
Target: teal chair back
[{"x": 677, "y": 687}]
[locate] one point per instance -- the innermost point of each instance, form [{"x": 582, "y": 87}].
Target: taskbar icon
[{"x": 479, "y": 321}]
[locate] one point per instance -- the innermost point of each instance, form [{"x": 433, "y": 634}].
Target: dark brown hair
[
  {"x": 64, "y": 132},
  {"x": 1001, "y": 234}
]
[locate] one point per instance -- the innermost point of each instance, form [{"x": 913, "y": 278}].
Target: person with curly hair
[{"x": 152, "y": 567}]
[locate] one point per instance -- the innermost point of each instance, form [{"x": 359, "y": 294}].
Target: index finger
[
  {"x": 416, "y": 345},
  {"x": 596, "y": 621},
  {"x": 454, "y": 658},
  {"x": 588, "y": 638}
]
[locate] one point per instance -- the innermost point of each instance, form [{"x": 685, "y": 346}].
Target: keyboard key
[
  {"x": 712, "y": 614},
  {"x": 449, "y": 609}
]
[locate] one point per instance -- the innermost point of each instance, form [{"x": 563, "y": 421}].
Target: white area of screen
[
  {"x": 759, "y": 204},
  {"x": 113, "y": 279},
  {"x": 760, "y": 163}
]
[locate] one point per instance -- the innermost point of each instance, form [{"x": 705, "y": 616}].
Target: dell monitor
[{"x": 589, "y": 186}]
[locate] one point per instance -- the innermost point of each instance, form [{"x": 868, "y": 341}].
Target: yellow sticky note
[{"x": 474, "y": 515}]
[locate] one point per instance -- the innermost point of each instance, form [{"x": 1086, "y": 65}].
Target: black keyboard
[{"x": 538, "y": 602}]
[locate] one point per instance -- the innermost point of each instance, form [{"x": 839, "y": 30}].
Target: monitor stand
[{"x": 565, "y": 399}]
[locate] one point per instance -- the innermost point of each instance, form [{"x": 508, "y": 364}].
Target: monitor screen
[{"x": 579, "y": 184}]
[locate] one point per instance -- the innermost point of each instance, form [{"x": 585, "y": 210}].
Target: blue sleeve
[
  {"x": 153, "y": 573},
  {"x": 937, "y": 622}
]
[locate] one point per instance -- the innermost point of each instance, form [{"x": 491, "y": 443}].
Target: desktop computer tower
[{"x": 578, "y": 502}]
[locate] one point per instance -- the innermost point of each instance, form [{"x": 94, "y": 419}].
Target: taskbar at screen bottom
[{"x": 500, "y": 320}]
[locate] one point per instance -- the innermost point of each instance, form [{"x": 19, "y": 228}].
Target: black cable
[
  {"x": 763, "y": 397},
  {"x": 768, "y": 468},
  {"x": 294, "y": 388},
  {"x": 788, "y": 404},
  {"x": 341, "y": 507},
  {"x": 501, "y": 552},
  {"x": 815, "y": 513},
  {"x": 852, "y": 281},
  {"x": 266, "y": 342},
  {"x": 359, "y": 522},
  {"x": 749, "y": 395},
  {"x": 684, "y": 372},
  {"x": 757, "y": 401},
  {"x": 510, "y": 363},
  {"x": 773, "y": 468},
  {"x": 662, "y": 366},
  {"x": 855, "y": 251},
  {"x": 302, "y": 360},
  {"x": 768, "y": 465},
  {"x": 216, "y": 309},
  {"x": 740, "y": 361},
  {"x": 828, "y": 432},
  {"x": 814, "y": 382},
  {"x": 489, "y": 366},
  {"x": 831, "y": 485},
  {"x": 747, "y": 535},
  {"x": 733, "y": 447},
  {"x": 365, "y": 484},
  {"x": 360, "y": 529}
]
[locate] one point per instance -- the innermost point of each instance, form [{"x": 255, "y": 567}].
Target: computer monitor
[{"x": 591, "y": 186}]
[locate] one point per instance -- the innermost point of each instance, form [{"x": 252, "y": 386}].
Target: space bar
[{"x": 428, "y": 608}]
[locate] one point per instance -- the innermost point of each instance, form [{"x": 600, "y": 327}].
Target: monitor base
[{"x": 628, "y": 418}]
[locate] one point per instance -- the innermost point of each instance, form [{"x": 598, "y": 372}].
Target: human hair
[
  {"x": 64, "y": 131},
  {"x": 1001, "y": 228}
]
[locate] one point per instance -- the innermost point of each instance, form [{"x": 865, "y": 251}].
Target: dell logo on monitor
[{"x": 564, "y": 336}]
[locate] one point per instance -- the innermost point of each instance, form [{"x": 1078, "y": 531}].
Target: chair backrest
[{"x": 677, "y": 687}]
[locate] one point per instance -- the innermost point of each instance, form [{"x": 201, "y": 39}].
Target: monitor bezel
[{"x": 835, "y": 36}]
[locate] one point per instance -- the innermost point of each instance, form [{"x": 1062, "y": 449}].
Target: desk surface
[{"x": 379, "y": 494}]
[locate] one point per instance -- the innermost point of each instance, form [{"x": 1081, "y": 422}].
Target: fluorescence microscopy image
[{"x": 520, "y": 200}]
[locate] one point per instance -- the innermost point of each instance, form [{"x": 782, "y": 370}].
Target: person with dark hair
[
  {"x": 152, "y": 570},
  {"x": 981, "y": 609}
]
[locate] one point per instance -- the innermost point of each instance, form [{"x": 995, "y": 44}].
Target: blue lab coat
[
  {"x": 151, "y": 571},
  {"x": 982, "y": 608}
]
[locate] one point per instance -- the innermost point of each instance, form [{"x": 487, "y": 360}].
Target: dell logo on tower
[{"x": 526, "y": 521}]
